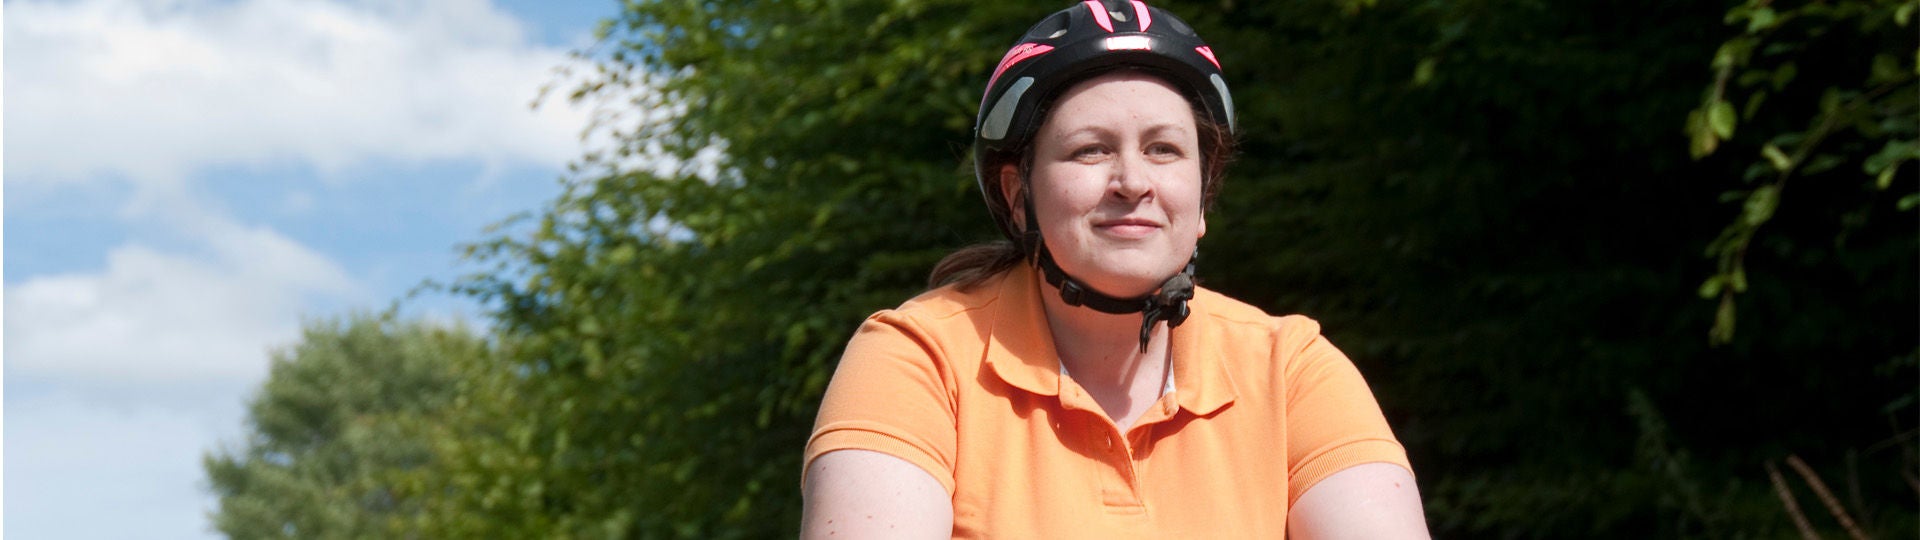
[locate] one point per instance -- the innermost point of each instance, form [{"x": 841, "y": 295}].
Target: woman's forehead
[
  {"x": 1121, "y": 84},
  {"x": 1134, "y": 99}
]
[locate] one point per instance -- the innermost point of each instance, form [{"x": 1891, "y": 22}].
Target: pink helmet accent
[
  {"x": 1140, "y": 12},
  {"x": 1021, "y": 52},
  {"x": 1203, "y": 50},
  {"x": 1099, "y": 14}
]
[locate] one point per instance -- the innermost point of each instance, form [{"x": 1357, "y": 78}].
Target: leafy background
[{"x": 1614, "y": 269}]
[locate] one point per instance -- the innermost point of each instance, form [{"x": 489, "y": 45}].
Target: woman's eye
[
  {"x": 1090, "y": 152},
  {"x": 1164, "y": 150}
]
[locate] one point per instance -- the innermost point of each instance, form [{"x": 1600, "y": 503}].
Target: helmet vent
[
  {"x": 1226, "y": 99},
  {"x": 1001, "y": 116},
  {"x": 1053, "y": 27}
]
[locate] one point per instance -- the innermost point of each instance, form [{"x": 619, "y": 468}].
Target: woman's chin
[{"x": 1124, "y": 282}]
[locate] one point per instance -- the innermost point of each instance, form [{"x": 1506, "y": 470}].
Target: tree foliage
[
  {"x": 337, "y": 432},
  {"x": 1864, "y": 121},
  {"x": 681, "y": 364},
  {"x": 1491, "y": 206}
]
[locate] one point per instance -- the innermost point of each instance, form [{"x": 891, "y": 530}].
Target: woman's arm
[
  {"x": 1368, "y": 501},
  {"x": 865, "y": 494}
]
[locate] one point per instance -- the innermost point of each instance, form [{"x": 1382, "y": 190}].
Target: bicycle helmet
[{"x": 1069, "y": 46}]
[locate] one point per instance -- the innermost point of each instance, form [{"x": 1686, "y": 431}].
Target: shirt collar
[{"x": 1020, "y": 349}]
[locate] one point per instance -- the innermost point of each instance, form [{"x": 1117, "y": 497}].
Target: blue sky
[{"x": 186, "y": 180}]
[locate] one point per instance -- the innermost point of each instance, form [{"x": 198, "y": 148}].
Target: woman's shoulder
[
  {"x": 947, "y": 326},
  {"x": 942, "y": 307}
]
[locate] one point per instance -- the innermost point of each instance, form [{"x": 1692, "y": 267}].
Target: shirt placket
[{"x": 1121, "y": 457}]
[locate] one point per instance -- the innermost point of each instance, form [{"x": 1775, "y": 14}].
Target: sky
[{"x": 186, "y": 181}]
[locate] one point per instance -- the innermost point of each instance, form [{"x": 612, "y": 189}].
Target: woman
[{"x": 1071, "y": 382}]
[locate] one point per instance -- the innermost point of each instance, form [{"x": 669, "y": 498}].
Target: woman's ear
[{"x": 1014, "y": 192}]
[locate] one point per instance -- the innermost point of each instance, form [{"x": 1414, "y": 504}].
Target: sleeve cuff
[
  {"x": 1339, "y": 458},
  {"x": 854, "y": 436}
]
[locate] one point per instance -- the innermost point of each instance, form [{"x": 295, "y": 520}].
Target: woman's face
[{"x": 1116, "y": 183}]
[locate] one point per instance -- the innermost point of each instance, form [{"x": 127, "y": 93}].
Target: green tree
[
  {"x": 675, "y": 330},
  {"x": 339, "y": 430},
  {"x": 1490, "y": 205}
]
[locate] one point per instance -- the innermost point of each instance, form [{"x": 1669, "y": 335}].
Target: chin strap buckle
[
  {"x": 1070, "y": 292},
  {"x": 1168, "y": 304}
]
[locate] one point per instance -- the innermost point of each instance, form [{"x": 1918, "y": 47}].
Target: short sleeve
[
  {"x": 1333, "y": 421},
  {"x": 892, "y": 393}
]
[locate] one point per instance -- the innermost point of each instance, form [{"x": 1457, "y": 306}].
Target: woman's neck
[{"x": 1102, "y": 352}]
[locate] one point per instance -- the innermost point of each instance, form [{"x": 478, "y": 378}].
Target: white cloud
[
  {"x": 155, "y": 90},
  {"x": 153, "y": 350},
  {"x": 210, "y": 313}
]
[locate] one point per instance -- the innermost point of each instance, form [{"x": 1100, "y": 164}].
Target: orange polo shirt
[{"x": 967, "y": 386}]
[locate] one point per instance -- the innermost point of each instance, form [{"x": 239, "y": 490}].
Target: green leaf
[
  {"x": 1733, "y": 53},
  {"x": 1737, "y": 13},
  {"x": 1703, "y": 141},
  {"x": 1908, "y": 202},
  {"x": 1423, "y": 73},
  {"x": 1712, "y": 286},
  {"x": 1760, "y": 205},
  {"x": 1722, "y": 332},
  {"x": 1830, "y": 100},
  {"x": 1761, "y": 19},
  {"x": 1894, "y": 407},
  {"x": 1886, "y": 68},
  {"x": 1891, "y": 155},
  {"x": 1821, "y": 163},
  {"x": 1703, "y": 144},
  {"x": 1784, "y": 74},
  {"x": 1777, "y": 158},
  {"x": 1721, "y": 116}
]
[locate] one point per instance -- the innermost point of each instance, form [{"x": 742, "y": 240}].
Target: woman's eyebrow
[
  {"x": 1098, "y": 129},
  {"x": 1163, "y": 128}
]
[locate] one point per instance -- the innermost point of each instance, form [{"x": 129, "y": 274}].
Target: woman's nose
[{"x": 1130, "y": 180}]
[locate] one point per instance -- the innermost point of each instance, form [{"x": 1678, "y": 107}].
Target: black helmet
[{"x": 1070, "y": 46}]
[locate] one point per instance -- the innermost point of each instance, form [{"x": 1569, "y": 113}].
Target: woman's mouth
[{"x": 1128, "y": 227}]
